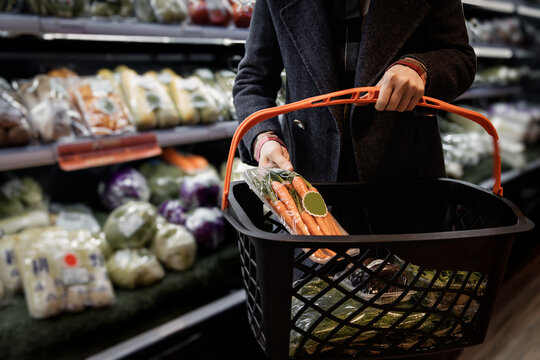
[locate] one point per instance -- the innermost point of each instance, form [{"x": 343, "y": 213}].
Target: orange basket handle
[{"x": 359, "y": 96}]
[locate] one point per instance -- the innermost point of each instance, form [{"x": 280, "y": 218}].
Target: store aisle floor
[{"x": 514, "y": 331}]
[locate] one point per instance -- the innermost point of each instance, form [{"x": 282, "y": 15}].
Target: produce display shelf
[
  {"x": 86, "y": 29},
  {"x": 529, "y": 11},
  {"x": 505, "y": 7},
  {"x": 490, "y": 51},
  {"x": 487, "y": 91},
  {"x": 41, "y": 155},
  {"x": 173, "y": 327}
]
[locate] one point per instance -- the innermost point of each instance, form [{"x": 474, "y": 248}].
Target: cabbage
[
  {"x": 20, "y": 194},
  {"x": 122, "y": 186},
  {"x": 132, "y": 225},
  {"x": 208, "y": 227},
  {"x": 164, "y": 181},
  {"x": 201, "y": 189},
  {"x": 175, "y": 247},
  {"x": 174, "y": 211},
  {"x": 131, "y": 268}
]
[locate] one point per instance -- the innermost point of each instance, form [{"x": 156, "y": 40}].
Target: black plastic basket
[{"x": 445, "y": 241}]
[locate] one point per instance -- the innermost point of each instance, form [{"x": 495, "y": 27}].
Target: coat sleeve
[
  {"x": 259, "y": 77},
  {"x": 449, "y": 59}
]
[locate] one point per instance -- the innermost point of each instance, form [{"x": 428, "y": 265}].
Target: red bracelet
[
  {"x": 262, "y": 141},
  {"x": 411, "y": 65}
]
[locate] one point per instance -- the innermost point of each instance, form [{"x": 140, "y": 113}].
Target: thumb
[{"x": 282, "y": 160}]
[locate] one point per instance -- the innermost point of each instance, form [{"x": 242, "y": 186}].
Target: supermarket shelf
[
  {"x": 52, "y": 28},
  {"x": 482, "y": 92},
  {"x": 505, "y": 7},
  {"x": 175, "y": 326},
  {"x": 498, "y": 52},
  {"x": 529, "y": 11},
  {"x": 511, "y": 175},
  {"x": 41, "y": 155}
]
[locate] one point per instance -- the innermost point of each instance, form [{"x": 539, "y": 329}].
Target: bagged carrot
[{"x": 297, "y": 205}]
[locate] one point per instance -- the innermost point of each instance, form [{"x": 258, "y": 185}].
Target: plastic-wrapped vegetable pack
[
  {"x": 210, "y": 12},
  {"x": 242, "y": 11},
  {"x": 101, "y": 107},
  {"x": 174, "y": 246},
  {"x": 122, "y": 186},
  {"x": 163, "y": 179},
  {"x": 132, "y": 268},
  {"x": 208, "y": 227},
  {"x": 51, "y": 112},
  {"x": 9, "y": 272},
  {"x": 62, "y": 8},
  {"x": 131, "y": 225},
  {"x": 106, "y": 8},
  {"x": 15, "y": 127},
  {"x": 62, "y": 271},
  {"x": 192, "y": 98},
  {"x": 444, "y": 320},
  {"x": 218, "y": 95},
  {"x": 74, "y": 217},
  {"x": 201, "y": 189},
  {"x": 169, "y": 11}
]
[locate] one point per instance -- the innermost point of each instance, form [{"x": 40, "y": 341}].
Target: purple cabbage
[
  {"x": 200, "y": 190},
  {"x": 207, "y": 226},
  {"x": 174, "y": 211},
  {"x": 122, "y": 186}
]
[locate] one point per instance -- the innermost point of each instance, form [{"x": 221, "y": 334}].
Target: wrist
[
  {"x": 263, "y": 139},
  {"x": 413, "y": 64}
]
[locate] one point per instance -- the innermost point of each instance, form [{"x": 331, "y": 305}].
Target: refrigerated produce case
[{"x": 136, "y": 324}]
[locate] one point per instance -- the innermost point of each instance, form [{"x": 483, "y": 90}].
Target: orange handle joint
[{"x": 358, "y": 96}]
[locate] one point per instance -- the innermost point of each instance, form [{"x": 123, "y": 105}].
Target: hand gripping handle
[{"x": 358, "y": 96}]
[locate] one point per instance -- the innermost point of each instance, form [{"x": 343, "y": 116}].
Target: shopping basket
[{"x": 440, "y": 248}]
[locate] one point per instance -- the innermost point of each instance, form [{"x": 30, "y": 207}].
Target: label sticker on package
[
  {"x": 75, "y": 276},
  {"x": 131, "y": 224}
]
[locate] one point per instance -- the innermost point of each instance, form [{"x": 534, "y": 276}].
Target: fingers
[
  {"x": 274, "y": 155},
  {"x": 401, "y": 89}
]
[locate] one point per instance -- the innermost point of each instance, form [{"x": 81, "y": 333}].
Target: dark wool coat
[{"x": 297, "y": 35}]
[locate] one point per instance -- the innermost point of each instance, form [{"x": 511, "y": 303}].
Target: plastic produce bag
[
  {"x": 101, "y": 107},
  {"x": 174, "y": 211},
  {"x": 213, "y": 89},
  {"x": 122, "y": 186},
  {"x": 297, "y": 204},
  {"x": 164, "y": 181},
  {"x": 15, "y": 127},
  {"x": 169, "y": 11},
  {"x": 208, "y": 227},
  {"x": 25, "y": 220},
  {"x": 209, "y": 12},
  {"x": 201, "y": 189},
  {"x": 75, "y": 217},
  {"x": 174, "y": 246},
  {"x": 158, "y": 96},
  {"x": 9, "y": 272},
  {"x": 225, "y": 81},
  {"x": 62, "y": 271},
  {"x": 49, "y": 105},
  {"x": 180, "y": 95},
  {"x": 62, "y": 8},
  {"x": 242, "y": 11},
  {"x": 144, "y": 11},
  {"x": 20, "y": 194},
  {"x": 131, "y": 225},
  {"x": 132, "y": 268},
  {"x": 106, "y": 8}
]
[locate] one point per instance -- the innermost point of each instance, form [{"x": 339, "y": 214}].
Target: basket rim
[{"x": 523, "y": 224}]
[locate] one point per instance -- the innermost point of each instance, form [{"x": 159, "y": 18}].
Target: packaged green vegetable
[
  {"x": 169, "y": 11},
  {"x": 163, "y": 179},
  {"x": 131, "y": 225},
  {"x": 106, "y": 8},
  {"x": 9, "y": 272},
  {"x": 132, "y": 268},
  {"x": 25, "y": 220},
  {"x": 174, "y": 246},
  {"x": 20, "y": 194}
]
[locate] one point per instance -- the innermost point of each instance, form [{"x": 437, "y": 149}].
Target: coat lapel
[{"x": 388, "y": 26}]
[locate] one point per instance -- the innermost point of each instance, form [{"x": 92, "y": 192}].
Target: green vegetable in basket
[
  {"x": 131, "y": 268},
  {"x": 131, "y": 225}
]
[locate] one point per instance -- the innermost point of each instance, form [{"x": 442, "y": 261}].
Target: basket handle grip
[{"x": 358, "y": 96}]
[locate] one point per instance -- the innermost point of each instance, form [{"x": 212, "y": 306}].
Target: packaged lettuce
[
  {"x": 132, "y": 268},
  {"x": 62, "y": 271},
  {"x": 175, "y": 247},
  {"x": 9, "y": 272},
  {"x": 25, "y": 220},
  {"x": 131, "y": 225}
]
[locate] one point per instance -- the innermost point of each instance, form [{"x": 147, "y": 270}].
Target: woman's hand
[
  {"x": 401, "y": 89},
  {"x": 272, "y": 154}
]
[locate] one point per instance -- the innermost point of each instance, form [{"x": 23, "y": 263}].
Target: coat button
[{"x": 299, "y": 124}]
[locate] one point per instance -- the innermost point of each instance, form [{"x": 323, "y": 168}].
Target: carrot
[
  {"x": 175, "y": 158},
  {"x": 284, "y": 195},
  {"x": 311, "y": 223},
  {"x": 288, "y": 185},
  {"x": 300, "y": 186},
  {"x": 198, "y": 161},
  {"x": 283, "y": 212},
  {"x": 323, "y": 225}
]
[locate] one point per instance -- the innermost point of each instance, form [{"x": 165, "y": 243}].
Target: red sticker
[{"x": 70, "y": 260}]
